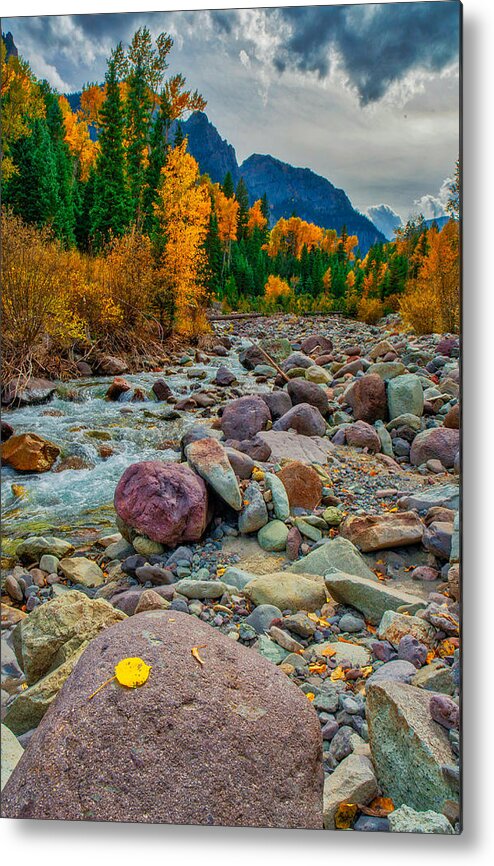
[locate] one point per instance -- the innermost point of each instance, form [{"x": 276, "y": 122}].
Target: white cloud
[{"x": 433, "y": 206}]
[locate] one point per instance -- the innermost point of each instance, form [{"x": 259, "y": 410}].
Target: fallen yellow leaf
[
  {"x": 195, "y": 653},
  {"x": 130, "y": 672},
  {"x": 310, "y": 696}
]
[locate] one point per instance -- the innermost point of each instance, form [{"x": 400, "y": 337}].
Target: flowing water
[{"x": 69, "y": 502}]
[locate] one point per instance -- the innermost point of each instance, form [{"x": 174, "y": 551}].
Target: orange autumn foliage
[
  {"x": 78, "y": 138},
  {"x": 291, "y": 235},
  {"x": 256, "y": 218},
  {"x": 431, "y": 302},
  {"x": 183, "y": 211},
  {"x": 275, "y": 288}
]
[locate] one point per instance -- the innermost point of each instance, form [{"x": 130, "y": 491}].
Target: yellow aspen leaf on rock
[
  {"x": 445, "y": 648},
  {"x": 130, "y": 672},
  {"x": 310, "y": 696}
]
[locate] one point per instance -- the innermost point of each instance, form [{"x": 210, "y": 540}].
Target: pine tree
[
  {"x": 31, "y": 192},
  {"x": 242, "y": 196},
  {"x": 64, "y": 216},
  {"x": 110, "y": 213},
  {"x": 215, "y": 257},
  {"x": 138, "y": 116},
  {"x": 158, "y": 149},
  {"x": 227, "y": 185},
  {"x": 179, "y": 135}
]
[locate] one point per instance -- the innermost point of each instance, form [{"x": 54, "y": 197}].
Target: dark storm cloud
[{"x": 377, "y": 44}]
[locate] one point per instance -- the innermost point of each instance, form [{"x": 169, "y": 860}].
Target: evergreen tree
[
  {"x": 158, "y": 148},
  {"x": 215, "y": 257},
  {"x": 138, "y": 118},
  {"x": 110, "y": 213},
  {"x": 227, "y": 185},
  {"x": 64, "y": 215},
  {"x": 32, "y": 192},
  {"x": 242, "y": 197},
  {"x": 179, "y": 135}
]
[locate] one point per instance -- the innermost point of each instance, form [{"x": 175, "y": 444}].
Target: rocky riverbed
[{"x": 277, "y": 535}]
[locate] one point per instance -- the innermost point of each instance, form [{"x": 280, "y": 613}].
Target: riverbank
[{"x": 324, "y": 544}]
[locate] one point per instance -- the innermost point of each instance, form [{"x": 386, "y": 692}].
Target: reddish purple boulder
[
  {"x": 367, "y": 397},
  {"x": 304, "y": 419},
  {"x": 167, "y": 502},
  {"x": 362, "y": 435},
  {"x": 231, "y": 742},
  {"x": 245, "y": 417},
  {"x": 438, "y": 443},
  {"x": 302, "y": 391},
  {"x": 317, "y": 344}
]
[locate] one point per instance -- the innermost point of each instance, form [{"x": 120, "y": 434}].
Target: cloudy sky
[{"x": 366, "y": 95}]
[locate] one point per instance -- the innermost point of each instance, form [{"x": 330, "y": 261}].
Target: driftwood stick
[{"x": 269, "y": 358}]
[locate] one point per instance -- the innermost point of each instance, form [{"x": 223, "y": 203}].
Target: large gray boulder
[
  {"x": 369, "y": 596},
  {"x": 405, "y": 394},
  {"x": 339, "y": 554},
  {"x": 216, "y": 743},
  {"x": 409, "y": 750}
]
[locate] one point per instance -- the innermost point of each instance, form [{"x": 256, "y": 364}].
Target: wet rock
[
  {"x": 302, "y": 484},
  {"x": 224, "y": 377},
  {"x": 438, "y": 443},
  {"x": 254, "y": 514},
  {"x": 245, "y": 417},
  {"x": 379, "y": 531},
  {"x": 408, "y": 748},
  {"x": 362, "y": 435},
  {"x": 304, "y": 419},
  {"x": 287, "y": 591},
  {"x": 338, "y": 555},
  {"x": 405, "y": 394},
  {"x": 368, "y": 596},
  {"x": 209, "y": 459},
  {"x": 118, "y": 387},
  {"x": 167, "y": 502},
  {"x": 32, "y": 549},
  {"x": 407, "y": 820},
  {"x": 210, "y": 712},
  {"x": 303, "y": 391},
  {"x": 28, "y": 452},
  {"x": 161, "y": 390},
  {"x": 367, "y": 397},
  {"x": 353, "y": 781},
  {"x": 84, "y": 368},
  {"x": 6, "y": 431},
  {"x": 28, "y": 393}
]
